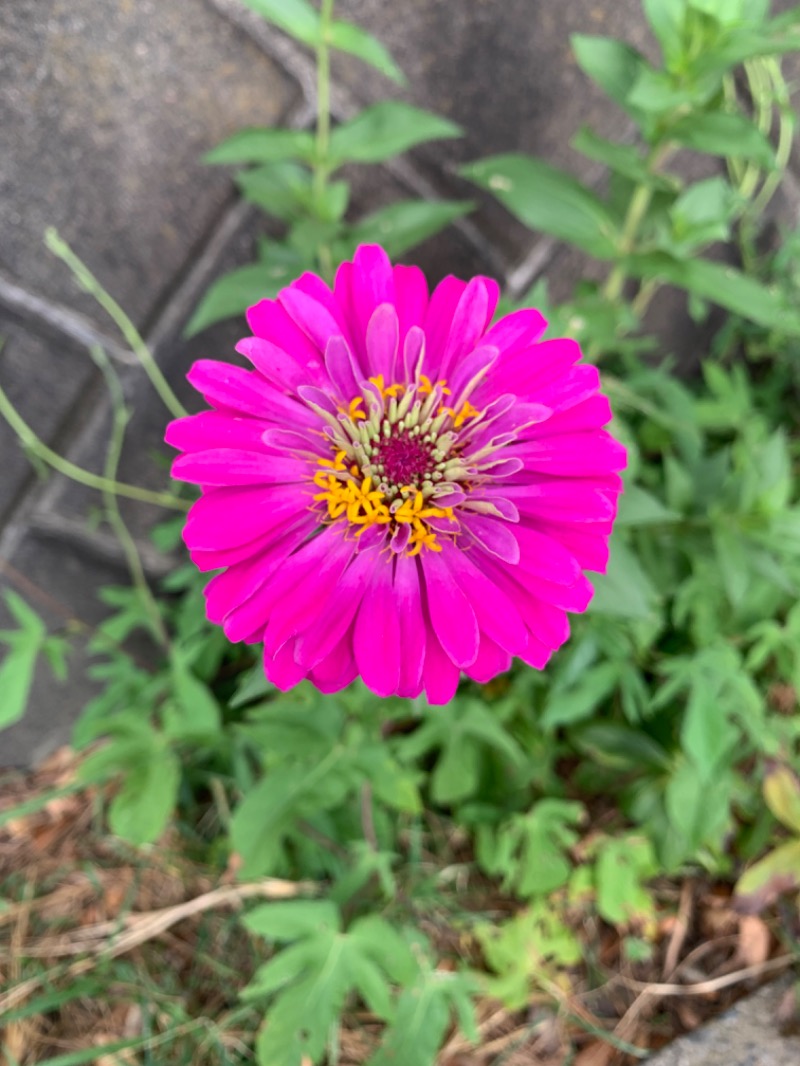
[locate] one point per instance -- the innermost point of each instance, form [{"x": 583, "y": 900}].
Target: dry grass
[{"x": 101, "y": 944}]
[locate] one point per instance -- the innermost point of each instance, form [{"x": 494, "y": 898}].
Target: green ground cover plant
[{"x": 497, "y": 845}]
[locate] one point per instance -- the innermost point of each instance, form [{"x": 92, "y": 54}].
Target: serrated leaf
[
  {"x": 298, "y": 18},
  {"x": 622, "y": 865},
  {"x": 385, "y": 130},
  {"x": 405, "y": 224},
  {"x": 548, "y": 200},
  {"x": 529, "y": 851},
  {"x": 263, "y": 146},
  {"x": 292, "y": 919},
  {"x": 357, "y": 42}
]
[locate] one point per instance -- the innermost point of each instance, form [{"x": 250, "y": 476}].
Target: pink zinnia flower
[{"x": 398, "y": 489}]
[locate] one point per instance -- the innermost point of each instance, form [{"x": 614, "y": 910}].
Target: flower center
[
  {"x": 395, "y": 463},
  {"x": 402, "y": 459}
]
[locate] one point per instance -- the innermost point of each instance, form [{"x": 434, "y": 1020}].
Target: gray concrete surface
[{"x": 747, "y": 1035}]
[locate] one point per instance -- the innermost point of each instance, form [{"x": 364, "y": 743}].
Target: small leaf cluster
[{"x": 289, "y": 172}]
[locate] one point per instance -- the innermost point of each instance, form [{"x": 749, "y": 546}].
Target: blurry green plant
[{"x": 669, "y": 705}]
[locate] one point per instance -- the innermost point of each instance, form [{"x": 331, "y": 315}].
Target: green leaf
[
  {"x": 577, "y": 702},
  {"x": 195, "y": 710},
  {"x": 292, "y": 919},
  {"x": 296, "y": 17},
  {"x": 667, "y": 18},
  {"x": 385, "y": 130},
  {"x": 624, "y": 159},
  {"x": 233, "y": 293},
  {"x": 281, "y": 189},
  {"x": 637, "y": 507},
  {"x": 548, "y": 200},
  {"x": 529, "y": 850},
  {"x": 405, "y": 224},
  {"x": 422, "y": 1018},
  {"x": 263, "y": 146},
  {"x": 724, "y": 285},
  {"x": 613, "y": 65},
  {"x": 349, "y": 38},
  {"x": 622, "y": 865},
  {"x": 522, "y": 950},
  {"x": 624, "y": 590},
  {"x": 141, "y": 809},
  {"x": 270, "y": 810},
  {"x": 725, "y": 134},
  {"x": 19, "y": 665}
]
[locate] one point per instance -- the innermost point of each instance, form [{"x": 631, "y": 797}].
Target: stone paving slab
[
  {"x": 106, "y": 110},
  {"x": 747, "y": 1035},
  {"x": 43, "y": 376}
]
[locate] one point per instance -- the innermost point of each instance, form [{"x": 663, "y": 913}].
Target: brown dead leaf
[{"x": 755, "y": 941}]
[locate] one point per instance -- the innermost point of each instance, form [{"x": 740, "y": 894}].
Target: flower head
[{"x": 398, "y": 489}]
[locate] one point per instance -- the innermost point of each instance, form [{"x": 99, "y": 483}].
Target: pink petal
[
  {"x": 299, "y": 598},
  {"x": 472, "y": 315},
  {"x": 520, "y": 329},
  {"x": 412, "y": 624},
  {"x": 439, "y": 317},
  {"x": 246, "y": 391},
  {"x": 338, "y": 669},
  {"x": 336, "y": 617},
  {"x": 592, "y": 413},
  {"x": 313, "y": 318},
  {"x": 381, "y": 343},
  {"x": 231, "y": 517},
  {"x": 572, "y": 388},
  {"x": 411, "y": 291},
  {"x": 491, "y": 661},
  {"x": 229, "y": 466},
  {"x": 214, "y": 429},
  {"x": 493, "y": 535},
  {"x": 573, "y": 454},
  {"x": 342, "y": 369},
  {"x": 281, "y": 668},
  {"x": 450, "y": 612},
  {"x": 495, "y": 612},
  {"x": 376, "y": 638},
  {"x": 269, "y": 320},
  {"x": 440, "y": 675},
  {"x": 276, "y": 365}
]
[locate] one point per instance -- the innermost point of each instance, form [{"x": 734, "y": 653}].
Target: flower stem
[
  {"x": 120, "y": 418},
  {"x": 323, "y": 138},
  {"x": 89, "y": 282},
  {"x": 37, "y": 447}
]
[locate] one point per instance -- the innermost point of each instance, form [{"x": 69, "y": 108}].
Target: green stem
[
  {"x": 76, "y": 473},
  {"x": 637, "y": 209},
  {"x": 120, "y": 419},
  {"x": 89, "y": 282},
  {"x": 323, "y": 138}
]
